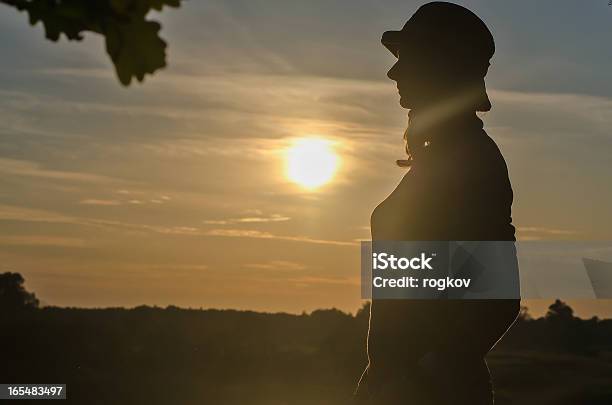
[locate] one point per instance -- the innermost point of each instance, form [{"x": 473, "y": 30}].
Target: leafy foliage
[
  {"x": 13, "y": 295},
  {"x": 132, "y": 42},
  {"x": 560, "y": 310}
]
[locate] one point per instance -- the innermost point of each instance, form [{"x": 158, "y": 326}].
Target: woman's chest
[{"x": 404, "y": 213}]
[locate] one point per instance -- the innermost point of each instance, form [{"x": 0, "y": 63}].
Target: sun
[{"x": 311, "y": 162}]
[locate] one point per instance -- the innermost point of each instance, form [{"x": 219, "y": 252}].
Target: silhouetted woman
[{"x": 457, "y": 189}]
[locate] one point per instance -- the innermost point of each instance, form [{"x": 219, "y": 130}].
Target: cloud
[
  {"x": 310, "y": 280},
  {"x": 93, "y": 201},
  {"x": 271, "y": 218},
  {"x": 551, "y": 231},
  {"x": 216, "y": 222},
  {"x": 37, "y": 240},
  {"x": 540, "y": 233},
  {"x": 542, "y": 114},
  {"x": 12, "y": 213},
  {"x": 33, "y": 169},
  {"x": 277, "y": 265},
  {"x": 254, "y": 234},
  {"x": 164, "y": 270},
  {"x": 115, "y": 202},
  {"x": 176, "y": 230},
  {"x": 257, "y": 217}
]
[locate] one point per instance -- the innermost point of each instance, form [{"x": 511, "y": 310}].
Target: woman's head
[{"x": 443, "y": 56}]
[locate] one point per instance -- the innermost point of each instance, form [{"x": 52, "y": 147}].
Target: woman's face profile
[
  {"x": 421, "y": 77},
  {"x": 411, "y": 77}
]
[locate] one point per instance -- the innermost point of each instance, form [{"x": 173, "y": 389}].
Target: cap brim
[{"x": 392, "y": 41}]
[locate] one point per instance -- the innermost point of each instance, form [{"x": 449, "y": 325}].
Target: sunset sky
[{"x": 176, "y": 191}]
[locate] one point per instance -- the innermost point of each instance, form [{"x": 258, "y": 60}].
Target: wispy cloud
[
  {"x": 115, "y": 202},
  {"x": 311, "y": 280},
  {"x": 37, "y": 240},
  {"x": 254, "y": 234},
  {"x": 255, "y": 217},
  {"x": 282, "y": 265},
  {"x": 32, "y": 169},
  {"x": 93, "y": 201},
  {"x": 13, "y": 213},
  {"x": 540, "y": 233},
  {"x": 32, "y": 215},
  {"x": 271, "y": 218},
  {"x": 215, "y": 222}
]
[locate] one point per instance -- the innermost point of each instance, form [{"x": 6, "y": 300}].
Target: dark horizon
[{"x": 231, "y": 357}]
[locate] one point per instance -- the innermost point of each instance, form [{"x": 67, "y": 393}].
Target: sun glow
[{"x": 311, "y": 162}]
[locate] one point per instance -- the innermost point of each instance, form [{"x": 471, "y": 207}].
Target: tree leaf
[
  {"x": 132, "y": 42},
  {"x": 135, "y": 48}
]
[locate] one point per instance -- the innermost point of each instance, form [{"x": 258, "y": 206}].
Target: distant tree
[
  {"x": 524, "y": 314},
  {"x": 567, "y": 333},
  {"x": 559, "y": 310},
  {"x": 132, "y": 42},
  {"x": 332, "y": 316},
  {"x": 363, "y": 314},
  {"x": 13, "y": 295}
]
